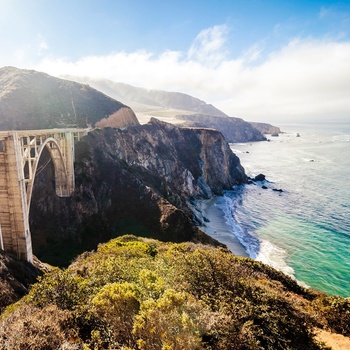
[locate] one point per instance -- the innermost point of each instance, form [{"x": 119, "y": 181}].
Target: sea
[{"x": 300, "y": 222}]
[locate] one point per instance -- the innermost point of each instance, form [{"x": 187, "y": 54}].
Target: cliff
[
  {"x": 134, "y": 180},
  {"x": 234, "y": 129},
  {"x": 34, "y": 100},
  {"x": 266, "y": 128}
]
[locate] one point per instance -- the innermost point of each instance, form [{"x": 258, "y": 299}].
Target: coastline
[{"x": 214, "y": 225}]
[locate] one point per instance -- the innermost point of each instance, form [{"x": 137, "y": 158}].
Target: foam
[{"x": 257, "y": 249}]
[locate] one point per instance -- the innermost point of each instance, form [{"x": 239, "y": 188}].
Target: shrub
[
  {"x": 336, "y": 311},
  {"x": 60, "y": 288},
  {"x": 116, "y": 305},
  {"x": 175, "y": 321},
  {"x": 35, "y": 329}
]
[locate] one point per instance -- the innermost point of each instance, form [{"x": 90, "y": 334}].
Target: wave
[{"x": 257, "y": 249}]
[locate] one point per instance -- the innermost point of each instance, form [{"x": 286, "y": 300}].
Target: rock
[
  {"x": 275, "y": 134},
  {"x": 234, "y": 129},
  {"x": 136, "y": 180},
  {"x": 264, "y": 187},
  {"x": 16, "y": 276},
  {"x": 277, "y": 190},
  {"x": 260, "y": 177}
]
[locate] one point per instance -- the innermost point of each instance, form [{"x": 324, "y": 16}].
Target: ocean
[{"x": 303, "y": 230}]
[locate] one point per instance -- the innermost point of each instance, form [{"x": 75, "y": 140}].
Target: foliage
[
  {"x": 137, "y": 293},
  {"x": 336, "y": 311},
  {"x": 33, "y": 328}
]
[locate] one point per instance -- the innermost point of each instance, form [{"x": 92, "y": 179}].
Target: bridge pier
[
  {"x": 19, "y": 157},
  {"x": 13, "y": 209}
]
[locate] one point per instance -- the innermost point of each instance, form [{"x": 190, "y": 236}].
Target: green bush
[
  {"x": 336, "y": 311},
  {"x": 136, "y": 293}
]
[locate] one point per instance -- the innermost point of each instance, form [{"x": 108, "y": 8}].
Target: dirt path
[{"x": 335, "y": 341}]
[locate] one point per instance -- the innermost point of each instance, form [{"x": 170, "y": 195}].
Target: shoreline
[{"x": 214, "y": 225}]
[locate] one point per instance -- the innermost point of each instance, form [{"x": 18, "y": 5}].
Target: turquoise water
[{"x": 304, "y": 230}]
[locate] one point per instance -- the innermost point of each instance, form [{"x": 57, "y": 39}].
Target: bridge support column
[
  {"x": 13, "y": 202},
  {"x": 19, "y": 158}
]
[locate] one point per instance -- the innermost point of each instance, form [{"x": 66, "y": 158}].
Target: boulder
[{"x": 260, "y": 177}]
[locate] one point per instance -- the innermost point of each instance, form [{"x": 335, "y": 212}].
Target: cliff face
[
  {"x": 34, "y": 100},
  {"x": 136, "y": 180},
  {"x": 265, "y": 128},
  {"x": 234, "y": 129}
]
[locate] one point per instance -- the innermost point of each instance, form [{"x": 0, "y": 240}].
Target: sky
[{"x": 273, "y": 61}]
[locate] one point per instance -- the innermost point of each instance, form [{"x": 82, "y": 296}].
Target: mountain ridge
[
  {"x": 36, "y": 100},
  {"x": 181, "y": 109}
]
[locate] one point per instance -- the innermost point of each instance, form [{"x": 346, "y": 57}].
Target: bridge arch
[
  {"x": 20, "y": 152},
  {"x": 60, "y": 166}
]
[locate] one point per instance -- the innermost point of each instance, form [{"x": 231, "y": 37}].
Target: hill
[
  {"x": 136, "y": 293},
  {"x": 177, "y": 108},
  {"x": 157, "y": 103},
  {"x": 234, "y": 129},
  {"x": 35, "y": 100}
]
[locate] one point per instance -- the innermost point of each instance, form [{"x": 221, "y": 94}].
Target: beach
[{"x": 215, "y": 225}]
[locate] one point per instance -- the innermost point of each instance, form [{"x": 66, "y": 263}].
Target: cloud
[
  {"x": 307, "y": 78},
  {"x": 42, "y": 46},
  {"x": 208, "y": 46}
]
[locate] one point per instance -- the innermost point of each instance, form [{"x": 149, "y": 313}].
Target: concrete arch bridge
[{"x": 20, "y": 153}]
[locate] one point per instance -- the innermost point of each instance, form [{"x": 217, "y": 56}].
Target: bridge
[{"x": 20, "y": 153}]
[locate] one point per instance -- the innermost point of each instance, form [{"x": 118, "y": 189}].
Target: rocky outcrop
[
  {"x": 234, "y": 129},
  {"x": 15, "y": 278},
  {"x": 34, "y": 100},
  {"x": 265, "y": 128},
  {"x": 136, "y": 180}
]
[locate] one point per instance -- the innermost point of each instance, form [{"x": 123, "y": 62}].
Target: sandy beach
[{"x": 214, "y": 225}]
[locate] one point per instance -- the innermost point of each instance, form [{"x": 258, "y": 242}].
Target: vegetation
[{"x": 138, "y": 293}]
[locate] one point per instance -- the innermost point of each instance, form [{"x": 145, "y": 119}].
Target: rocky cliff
[
  {"x": 136, "y": 180},
  {"x": 266, "y": 128},
  {"x": 234, "y": 129},
  {"x": 34, "y": 100}
]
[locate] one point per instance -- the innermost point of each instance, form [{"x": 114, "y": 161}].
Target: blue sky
[{"x": 260, "y": 60}]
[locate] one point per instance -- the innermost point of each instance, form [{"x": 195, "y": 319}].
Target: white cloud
[
  {"x": 208, "y": 47},
  {"x": 42, "y": 46},
  {"x": 305, "y": 79}
]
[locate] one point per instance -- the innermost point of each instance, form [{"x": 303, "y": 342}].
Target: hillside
[
  {"x": 150, "y": 101},
  {"x": 178, "y": 108},
  {"x": 234, "y": 129},
  {"x": 136, "y": 293},
  {"x": 15, "y": 278},
  {"x": 266, "y": 128},
  {"x": 34, "y": 100}
]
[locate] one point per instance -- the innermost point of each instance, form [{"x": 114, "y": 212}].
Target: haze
[{"x": 266, "y": 61}]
